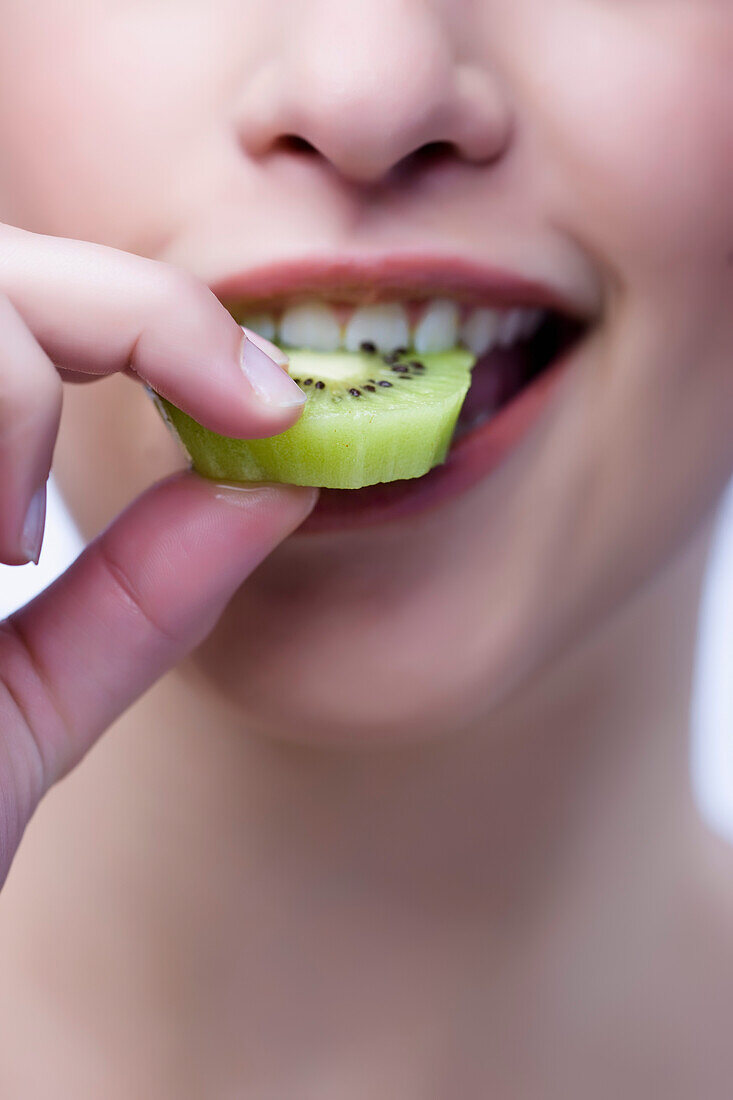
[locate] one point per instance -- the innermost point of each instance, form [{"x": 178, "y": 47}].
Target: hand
[{"x": 152, "y": 586}]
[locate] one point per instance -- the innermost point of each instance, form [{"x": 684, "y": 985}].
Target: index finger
[{"x": 97, "y": 310}]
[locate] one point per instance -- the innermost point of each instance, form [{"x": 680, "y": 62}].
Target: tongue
[{"x": 494, "y": 380}]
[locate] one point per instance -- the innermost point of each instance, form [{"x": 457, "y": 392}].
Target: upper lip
[{"x": 400, "y": 276}]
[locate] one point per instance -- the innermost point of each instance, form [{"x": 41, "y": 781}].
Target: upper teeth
[
  {"x": 264, "y": 323},
  {"x": 480, "y": 330},
  {"x": 437, "y": 329},
  {"x": 387, "y": 326},
  {"x": 510, "y": 328},
  {"x": 310, "y": 325}
]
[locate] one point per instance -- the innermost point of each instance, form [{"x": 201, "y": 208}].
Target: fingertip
[
  {"x": 183, "y": 486},
  {"x": 276, "y": 354},
  {"x": 33, "y": 526},
  {"x": 240, "y": 494},
  {"x": 272, "y": 385}
]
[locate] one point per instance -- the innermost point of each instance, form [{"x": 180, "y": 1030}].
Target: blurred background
[{"x": 711, "y": 719}]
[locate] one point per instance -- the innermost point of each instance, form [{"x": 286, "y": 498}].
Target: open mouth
[{"x": 521, "y": 347}]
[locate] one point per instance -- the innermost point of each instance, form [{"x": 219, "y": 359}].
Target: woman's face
[{"x": 583, "y": 144}]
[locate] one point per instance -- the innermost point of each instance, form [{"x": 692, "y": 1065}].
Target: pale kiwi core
[{"x": 368, "y": 419}]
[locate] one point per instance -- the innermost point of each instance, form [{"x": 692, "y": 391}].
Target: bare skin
[
  {"x": 278, "y": 921},
  {"x": 448, "y": 849}
]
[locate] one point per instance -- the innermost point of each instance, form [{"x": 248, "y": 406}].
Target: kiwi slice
[{"x": 368, "y": 418}]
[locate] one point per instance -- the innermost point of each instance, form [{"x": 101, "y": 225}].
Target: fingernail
[
  {"x": 239, "y": 488},
  {"x": 276, "y": 354},
  {"x": 32, "y": 536},
  {"x": 241, "y": 492},
  {"x": 271, "y": 383},
  {"x": 226, "y": 489}
]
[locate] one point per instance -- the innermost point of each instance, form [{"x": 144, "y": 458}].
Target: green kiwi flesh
[{"x": 368, "y": 418}]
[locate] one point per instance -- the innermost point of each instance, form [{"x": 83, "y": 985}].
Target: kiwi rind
[{"x": 392, "y": 420}]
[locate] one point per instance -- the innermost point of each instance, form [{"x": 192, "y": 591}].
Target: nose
[{"x": 365, "y": 84}]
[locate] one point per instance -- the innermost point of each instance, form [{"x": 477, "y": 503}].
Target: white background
[{"x": 712, "y": 712}]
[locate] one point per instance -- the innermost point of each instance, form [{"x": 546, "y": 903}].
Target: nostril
[
  {"x": 293, "y": 143},
  {"x": 433, "y": 153}
]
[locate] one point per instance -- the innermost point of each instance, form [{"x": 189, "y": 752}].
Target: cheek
[{"x": 640, "y": 119}]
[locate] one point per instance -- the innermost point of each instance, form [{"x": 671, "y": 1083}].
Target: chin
[
  {"x": 298, "y": 705},
  {"x": 365, "y": 639}
]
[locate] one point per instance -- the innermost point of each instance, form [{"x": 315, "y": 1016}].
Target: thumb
[{"x": 140, "y": 597}]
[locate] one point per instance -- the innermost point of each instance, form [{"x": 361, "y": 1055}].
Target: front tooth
[
  {"x": 384, "y": 325},
  {"x": 510, "y": 328},
  {"x": 311, "y": 325},
  {"x": 480, "y": 330},
  {"x": 437, "y": 329},
  {"x": 262, "y": 323}
]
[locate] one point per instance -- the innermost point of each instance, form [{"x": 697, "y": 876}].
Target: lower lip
[{"x": 474, "y": 457}]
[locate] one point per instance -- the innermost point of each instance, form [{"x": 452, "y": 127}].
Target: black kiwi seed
[
  {"x": 308, "y": 382},
  {"x": 400, "y": 369},
  {"x": 385, "y": 383},
  {"x": 371, "y": 389},
  {"x": 320, "y": 385},
  {"x": 355, "y": 392},
  {"x": 400, "y": 351},
  {"x": 416, "y": 365},
  {"x": 368, "y": 347}
]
